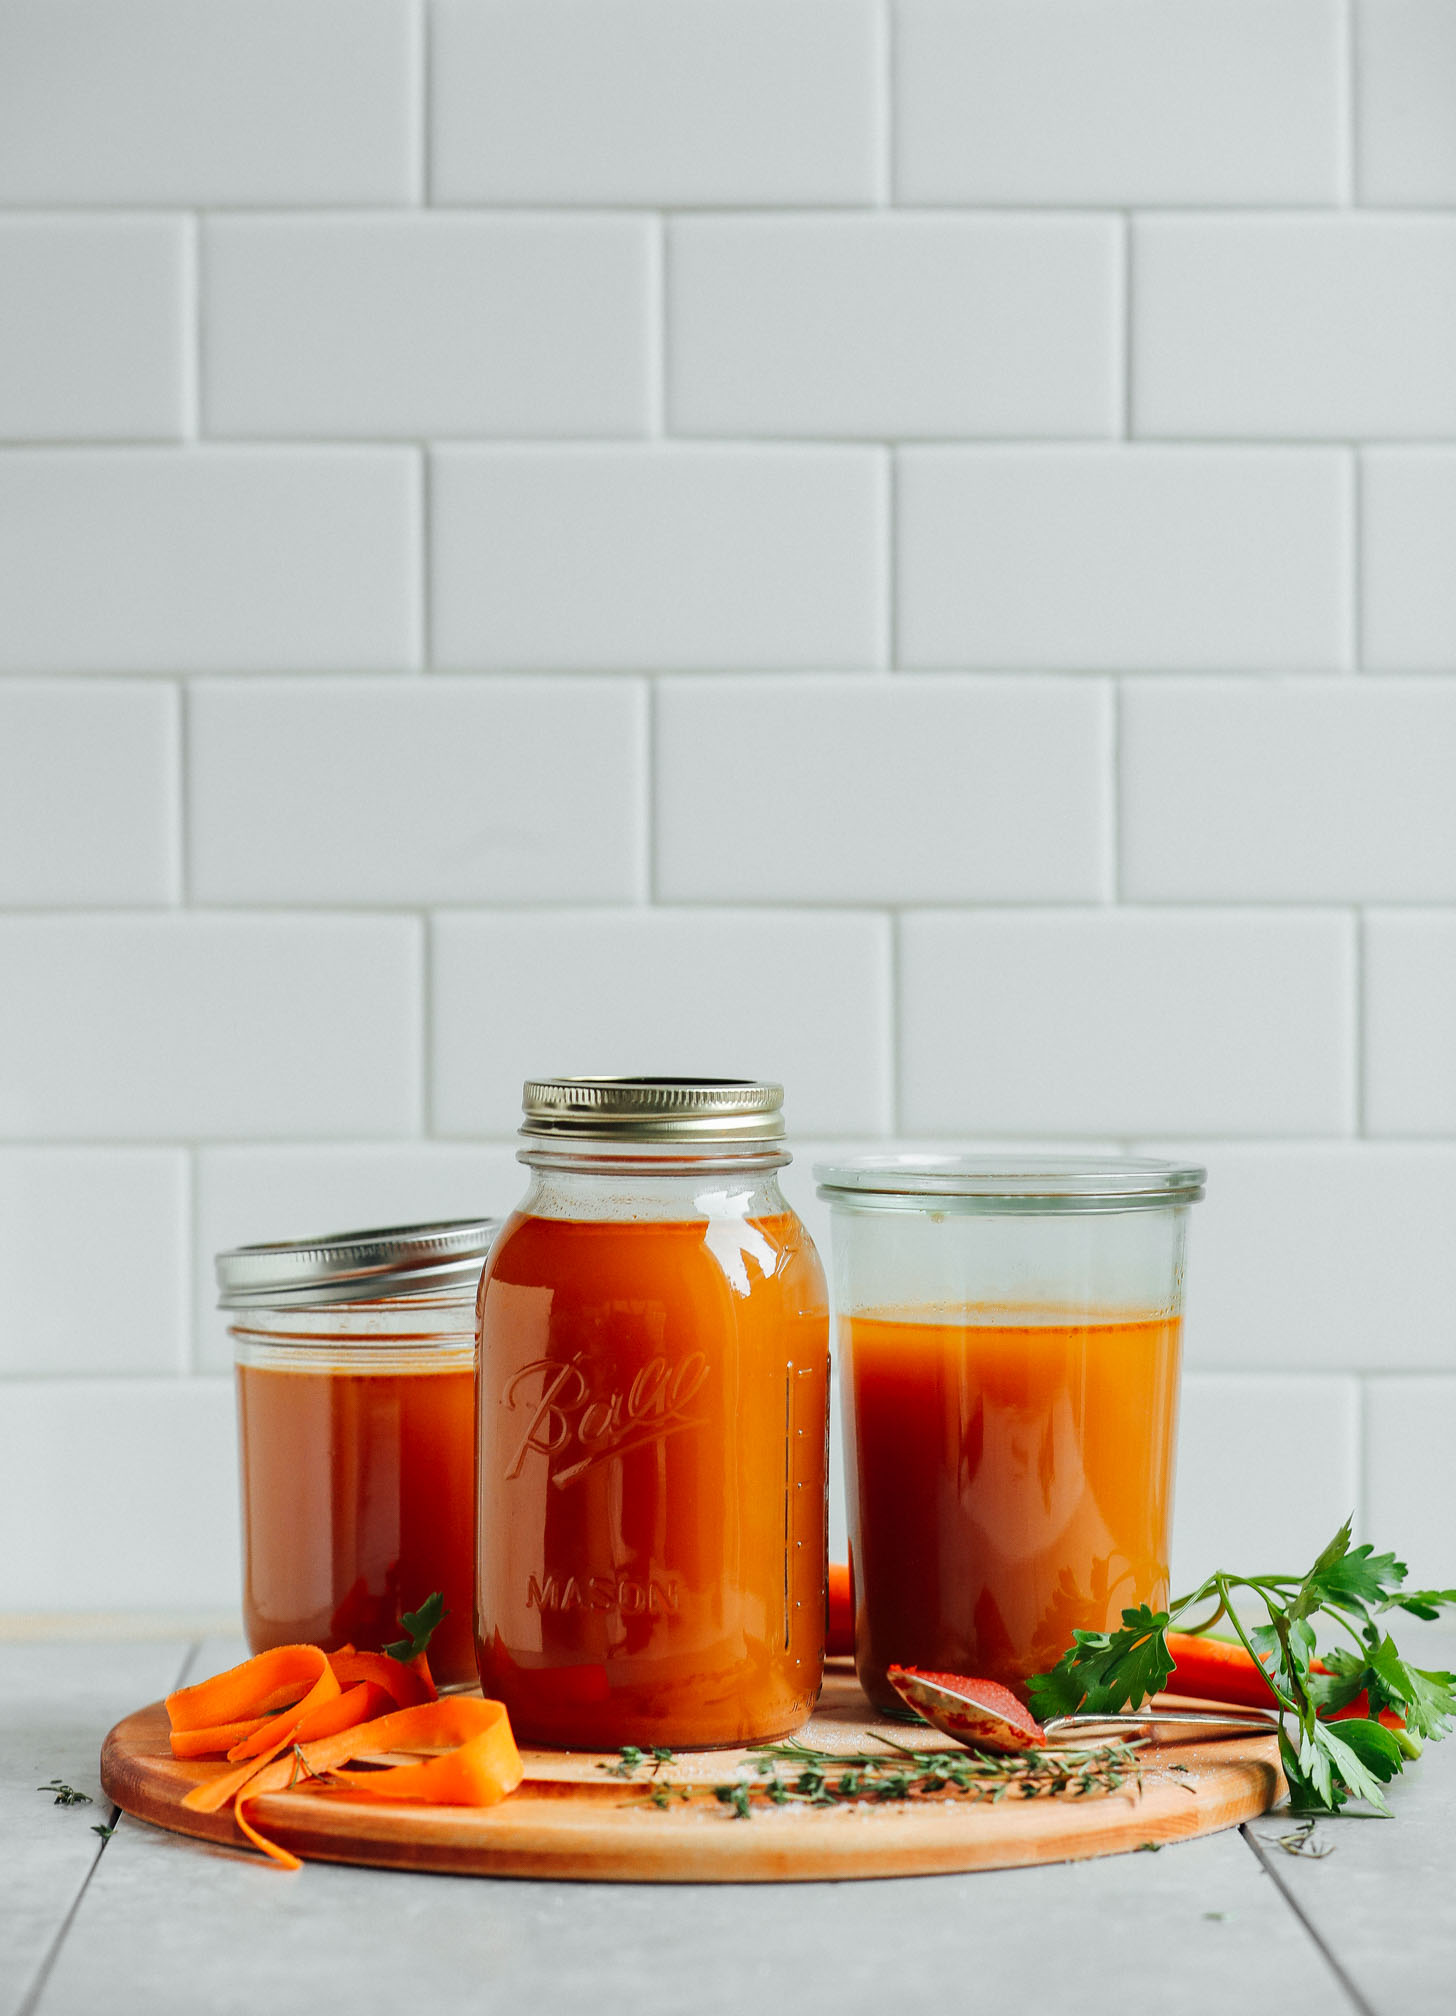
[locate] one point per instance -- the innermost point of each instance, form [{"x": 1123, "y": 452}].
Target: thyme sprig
[
  {"x": 798, "y": 1774},
  {"x": 66, "y": 1795},
  {"x": 836, "y": 1777}
]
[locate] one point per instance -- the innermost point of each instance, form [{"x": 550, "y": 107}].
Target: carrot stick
[
  {"x": 1213, "y": 1670},
  {"x": 839, "y": 1610}
]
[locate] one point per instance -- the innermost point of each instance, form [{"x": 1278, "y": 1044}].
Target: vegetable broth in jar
[
  {"x": 653, "y": 1380},
  {"x": 1010, "y": 1340},
  {"x": 356, "y": 1435}
]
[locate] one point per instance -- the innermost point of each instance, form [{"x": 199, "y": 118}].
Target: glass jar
[
  {"x": 653, "y": 1379},
  {"x": 356, "y": 1434},
  {"x": 1010, "y": 1341}
]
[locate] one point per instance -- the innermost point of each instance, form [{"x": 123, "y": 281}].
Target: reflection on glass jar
[
  {"x": 1010, "y": 1346},
  {"x": 653, "y": 1408}
]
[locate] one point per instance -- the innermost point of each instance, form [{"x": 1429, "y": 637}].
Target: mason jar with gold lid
[{"x": 653, "y": 1396}]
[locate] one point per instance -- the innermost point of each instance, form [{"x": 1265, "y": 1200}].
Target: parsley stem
[{"x": 1224, "y": 1584}]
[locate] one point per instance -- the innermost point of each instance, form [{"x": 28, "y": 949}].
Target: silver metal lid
[
  {"x": 1004, "y": 1184},
  {"x": 435, "y": 1259},
  {"x": 710, "y": 1110}
]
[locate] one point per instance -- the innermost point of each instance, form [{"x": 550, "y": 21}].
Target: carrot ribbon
[{"x": 328, "y": 1710}]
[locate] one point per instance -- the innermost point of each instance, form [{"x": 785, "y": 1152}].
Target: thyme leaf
[{"x": 66, "y": 1795}]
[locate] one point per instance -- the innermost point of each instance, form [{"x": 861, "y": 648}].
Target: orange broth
[
  {"x": 357, "y": 1491},
  {"x": 1012, "y": 1483},
  {"x": 652, "y": 1534}
]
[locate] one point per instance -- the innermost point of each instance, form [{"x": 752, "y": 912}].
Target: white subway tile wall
[{"x": 907, "y": 545}]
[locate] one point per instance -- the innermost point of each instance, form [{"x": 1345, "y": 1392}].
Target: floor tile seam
[{"x": 1343, "y": 1979}]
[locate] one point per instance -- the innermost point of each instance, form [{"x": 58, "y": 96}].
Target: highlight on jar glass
[
  {"x": 653, "y": 1408},
  {"x": 356, "y": 1435},
  {"x": 1010, "y": 1342}
]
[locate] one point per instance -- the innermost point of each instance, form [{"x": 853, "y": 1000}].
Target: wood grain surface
[{"x": 570, "y": 1819}]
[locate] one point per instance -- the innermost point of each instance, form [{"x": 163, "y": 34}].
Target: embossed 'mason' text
[{"x": 602, "y": 1592}]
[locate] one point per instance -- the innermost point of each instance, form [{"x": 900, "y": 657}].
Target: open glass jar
[
  {"x": 356, "y": 1434},
  {"x": 1010, "y": 1340},
  {"x": 653, "y": 1405}
]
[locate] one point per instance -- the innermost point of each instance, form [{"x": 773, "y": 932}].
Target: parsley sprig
[
  {"x": 421, "y": 1625},
  {"x": 1325, "y": 1764}
]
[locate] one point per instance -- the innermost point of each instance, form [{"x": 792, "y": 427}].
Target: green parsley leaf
[
  {"x": 1106, "y": 1671},
  {"x": 1427, "y": 1603},
  {"x": 1426, "y": 1699},
  {"x": 1363, "y": 1762},
  {"x": 421, "y": 1625}
]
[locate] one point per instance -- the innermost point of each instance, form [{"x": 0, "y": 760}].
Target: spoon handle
[{"x": 1171, "y": 1725}]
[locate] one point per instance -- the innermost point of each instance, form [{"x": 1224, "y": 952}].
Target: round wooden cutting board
[{"x": 571, "y": 1819}]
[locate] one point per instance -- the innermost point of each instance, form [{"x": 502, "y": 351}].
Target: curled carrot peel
[
  {"x": 406, "y": 1685},
  {"x": 346, "y": 1710}
]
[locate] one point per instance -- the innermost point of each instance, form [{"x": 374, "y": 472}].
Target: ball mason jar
[
  {"x": 355, "y": 1361},
  {"x": 1009, "y": 1346},
  {"x": 653, "y": 1414}
]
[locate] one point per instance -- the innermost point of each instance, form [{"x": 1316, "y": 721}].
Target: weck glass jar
[
  {"x": 653, "y": 1411},
  {"x": 355, "y": 1363},
  {"x": 1009, "y": 1345}
]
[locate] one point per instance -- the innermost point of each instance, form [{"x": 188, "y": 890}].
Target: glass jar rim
[{"x": 1008, "y": 1183}]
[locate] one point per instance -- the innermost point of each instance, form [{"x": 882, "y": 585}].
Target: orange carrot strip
[
  {"x": 208, "y": 1713},
  {"x": 205, "y": 1717},
  {"x": 255, "y": 1688},
  {"x": 364, "y": 1703},
  {"x": 405, "y": 1686},
  {"x": 284, "y": 1728},
  {"x": 213, "y": 1742},
  {"x": 480, "y": 1767},
  {"x": 326, "y": 1718}
]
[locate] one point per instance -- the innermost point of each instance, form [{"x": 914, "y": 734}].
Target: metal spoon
[{"x": 986, "y": 1716}]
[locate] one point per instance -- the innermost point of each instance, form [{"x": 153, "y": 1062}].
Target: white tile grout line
[
  {"x": 1355, "y": 550},
  {"x": 1357, "y": 1026},
  {"x": 424, "y": 84},
  {"x": 182, "y": 773},
  {"x": 1362, "y": 1454},
  {"x": 192, "y": 1301},
  {"x": 427, "y": 1029},
  {"x": 1349, "y": 178},
  {"x": 1114, "y": 794},
  {"x": 891, "y": 550},
  {"x": 649, "y": 796},
  {"x": 426, "y": 558},
  {"x": 191, "y": 306},
  {"x": 885, "y": 164},
  {"x": 657, "y": 331},
  {"x": 893, "y": 1006},
  {"x": 1126, "y": 307}
]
